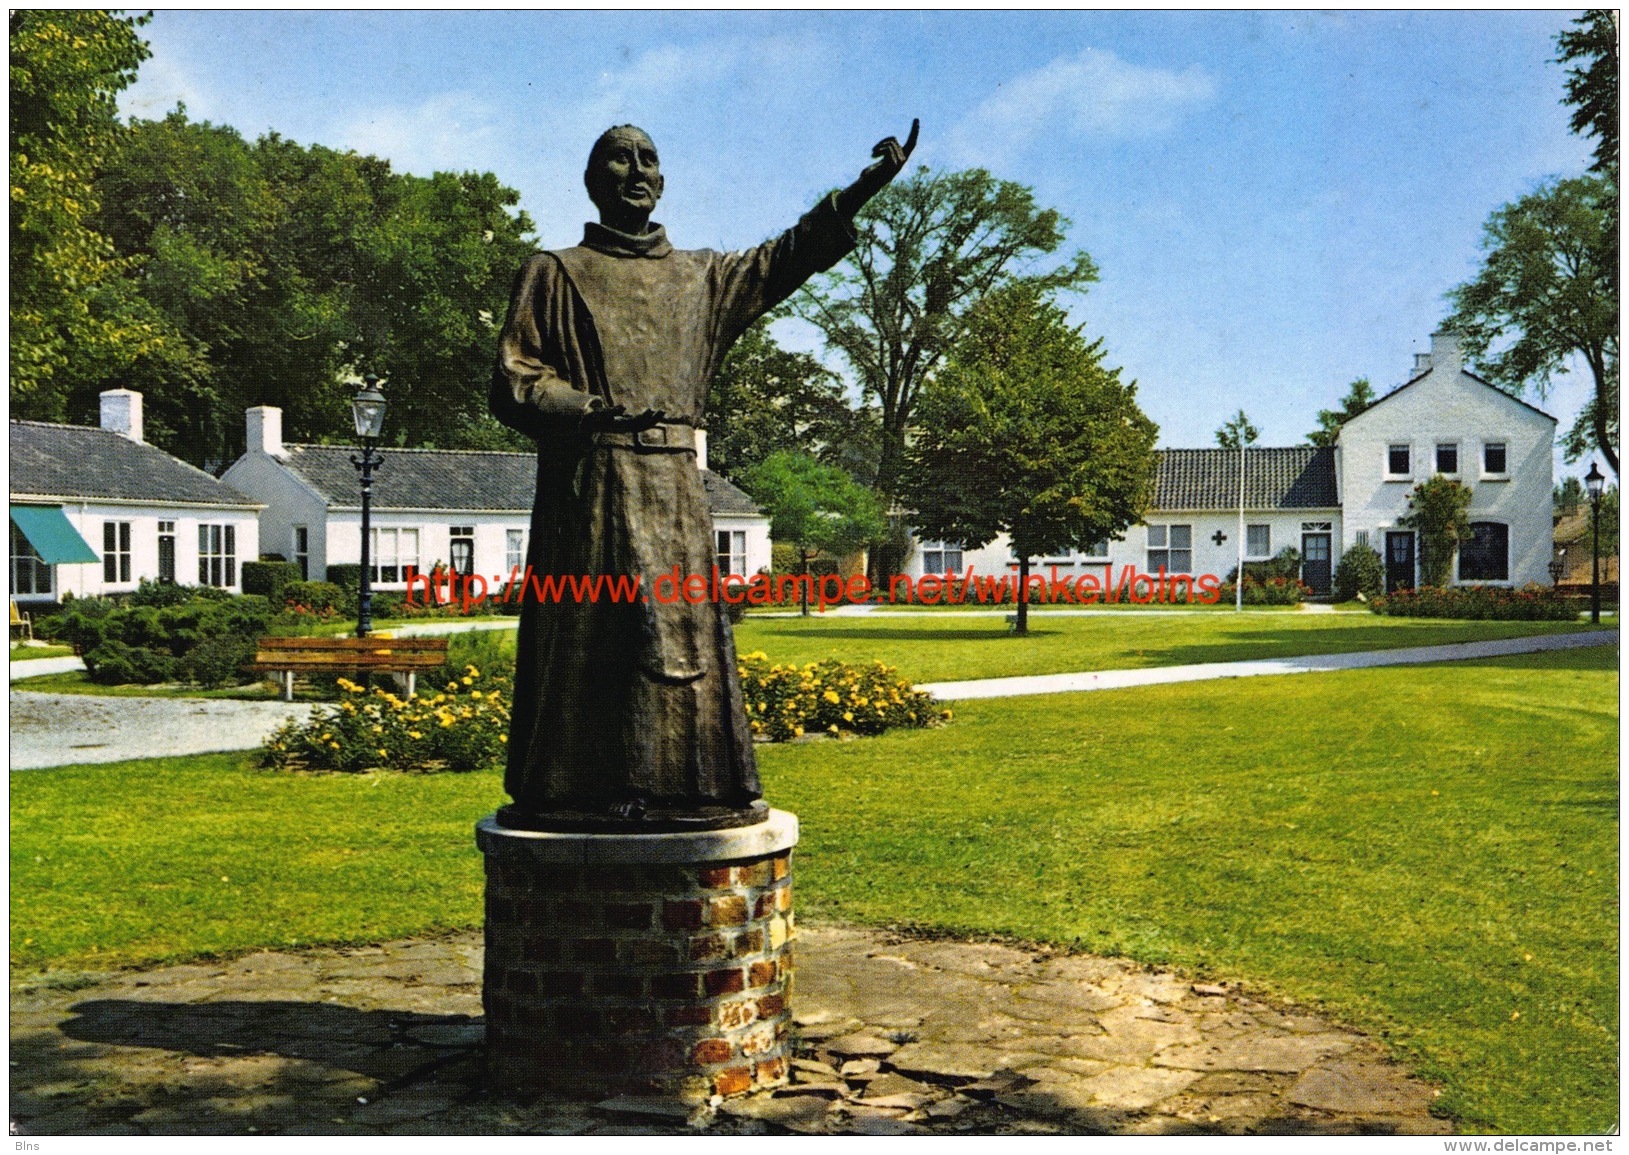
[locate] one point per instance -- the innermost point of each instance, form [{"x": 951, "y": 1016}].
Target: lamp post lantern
[
  {"x": 1558, "y": 566},
  {"x": 1593, "y": 481},
  {"x": 368, "y": 412}
]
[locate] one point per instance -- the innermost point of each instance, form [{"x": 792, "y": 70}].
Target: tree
[
  {"x": 766, "y": 398},
  {"x": 1025, "y": 431},
  {"x": 75, "y": 313},
  {"x": 1439, "y": 510},
  {"x": 815, "y": 507},
  {"x": 1547, "y": 291},
  {"x": 1592, "y": 88},
  {"x": 1359, "y": 396},
  {"x": 930, "y": 248},
  {"x": 1237, "y": 432}
]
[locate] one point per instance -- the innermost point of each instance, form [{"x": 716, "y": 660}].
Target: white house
[
  {"x": 469, "y": 510},
  {"x": 96, "y": 510},
  {"x": 1322, "y": 501}
]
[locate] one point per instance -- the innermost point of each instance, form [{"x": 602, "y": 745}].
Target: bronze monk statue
[{"x": 628, "y": 715}]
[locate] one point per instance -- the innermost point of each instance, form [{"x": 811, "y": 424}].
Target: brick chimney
[
  {"x": 121, "y": 413},
  {"x": 265, "y": 428}
]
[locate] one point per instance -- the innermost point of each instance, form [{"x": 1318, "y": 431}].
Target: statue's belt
[{"x": 669, "y": 437}]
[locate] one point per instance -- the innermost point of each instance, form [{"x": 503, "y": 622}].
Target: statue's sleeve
[
  {"x": 531, "y": 385},
  {"x": 755, "y": 281}
]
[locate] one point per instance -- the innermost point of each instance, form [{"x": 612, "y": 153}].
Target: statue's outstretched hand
[
  {"x": 891, "y": 157},
  {"x": 616, "y": 419}
]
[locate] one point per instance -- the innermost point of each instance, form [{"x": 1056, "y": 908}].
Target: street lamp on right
[{"x": 1593, "y": 481}]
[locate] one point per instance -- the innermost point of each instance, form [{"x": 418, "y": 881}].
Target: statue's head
[{"x": 624, "y": 177}]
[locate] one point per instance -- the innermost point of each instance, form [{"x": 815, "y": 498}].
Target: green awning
[{"x": 47, "y": 530}]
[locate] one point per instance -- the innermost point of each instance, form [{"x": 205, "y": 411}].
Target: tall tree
[
  {"x": 1359, "y": 396},
  {"x": 1025, "y": 431},
  {"x": 766, "y": 398},
  {"x": 1547, "y": 292},
  {"x": 817, "y": 508},
  {"x": 1439, "y": 509},
  {"x": 75, "y": 313},
  {"x": 930, "y": 248},
  {"x": 1237, "y": 431},
  {"x": 1592, "y": 85}
]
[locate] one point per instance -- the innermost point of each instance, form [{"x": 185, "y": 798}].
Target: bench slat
[
  {"x": 349, "y": 662},
  {"x": 438, "y": 644}
]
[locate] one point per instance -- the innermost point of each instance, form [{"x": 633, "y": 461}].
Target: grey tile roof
[
  {"x": 453, "y": 479},
  {"x": 1302, "y": 477},
  {"x": 82, "y": 461}
]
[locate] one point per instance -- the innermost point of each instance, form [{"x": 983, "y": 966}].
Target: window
[
  {"x": 29, "y": 573},
  {"x": 302, "y": 551},
  {"x": 462, "y": 549},
  {"x": 1448, "y": 458},
  {"x": 731, "y": 552},
  {"x": 217, "y": 555},
  {"x": 166, "y": 552},
  {"x": 115, "y": 551},
  {"x": 1096, "y": 551},
  {"x": 1486, "y": 557},
  {"x": 1493, "y": 459},
  {"x": 1170, "y": 546},
  {"x": 1363, "y": 537},
  {"x": 941, "y": 557},
  {"x": 1258, "y": 541},
  {"x": 514, "y": 549},
  {"x": 1397, "y": 461},
  {"x": 393, "y": 554}
]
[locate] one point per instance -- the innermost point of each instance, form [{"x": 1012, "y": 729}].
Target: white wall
[
  {"x": 289, "y": 502},
  {"x": 342, "y": 540},
  {"x": 1449, "y": 405},
  {"x": 87, "y": 517}
]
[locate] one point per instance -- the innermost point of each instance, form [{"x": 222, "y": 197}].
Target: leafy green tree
[
  {"x": 1237, "y": 431},
  {"x": 1439, "y": 510},
  {"x": 817, "y": 508},
  {"x": 1547, "y": 292},
  {"x": 1359, "y": 396},
  {"x": 1026, "y": 432},
  {"x": 1592, "y": 86},
  {"x": 75, "y": 314},
  {"x": 930, "y": 248},
  {"x": 766, "y": 398},
  {"x": 1567, "y": 496}
]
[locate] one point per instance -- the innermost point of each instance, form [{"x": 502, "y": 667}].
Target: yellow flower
[
  {"x": 848, "y": 715},
  {"x": 831, "y": 696},
  {"x": 468, "y": 681},
  {"x": 334, "y": 745},
  {"x": 797, "y": 731},
  {"x": 503, "y": 737},
  {"x": 325, "y": 737},
  {"x": 476, "y": 694},
  {"x": 414, "y": 734},
  {"x": 382, "y": 753},
  {"x": 446, "y": 723},
  {"x": 472, "y": 671}
]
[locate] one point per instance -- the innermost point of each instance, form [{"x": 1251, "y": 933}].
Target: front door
[
  {"x": 1399, "y": 561},
  {"x": 1315, "y": 561}
]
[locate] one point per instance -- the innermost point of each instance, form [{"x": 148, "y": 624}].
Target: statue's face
[{"x": 625, "y": 177}]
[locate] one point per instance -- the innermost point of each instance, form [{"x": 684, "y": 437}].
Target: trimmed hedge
[
  {"x": 267, "y": 578},
  {"x": 1361, "y": 572},
  {"x": 198, "y": 635},
  {"x": 1531, "y": 603}
]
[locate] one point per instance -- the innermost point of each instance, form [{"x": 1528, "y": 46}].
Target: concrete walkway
[
  {"x": 67, "y": 729},
  {"x": 40, "y": 667},
  {"x": 895, "y": 1036},
  {"x": 1161, "y": 675}
]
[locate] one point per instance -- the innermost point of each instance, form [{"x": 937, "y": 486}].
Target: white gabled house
[
  {"x": 97, "y": 510},
  {"x": 467, "y": 510},
  {"x": 1323, "y": 501}
]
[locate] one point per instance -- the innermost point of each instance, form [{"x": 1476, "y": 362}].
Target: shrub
[
  {"x": 268, "y": 578},
  {"x": 110, "y": 635},
  {"x": 463, "y": 726},
  {"x": 219, "y": 661},
  {"x": 115, "y": 663},
  {"x": 162, "y": 594},
  {"x": 1360, "y": 572},
  {"x": 1530, "y": 603},
  {"x": 831, "y": 697},
  {"x": 1275, "y": 591},
  {"x": 1440, "y": 510}
]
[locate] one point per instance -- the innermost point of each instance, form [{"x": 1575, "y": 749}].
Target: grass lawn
[
  {"x": 28, "y": 653},
  {"x": 1429, "y": 853},
  {"x": 940, "y": 647}
]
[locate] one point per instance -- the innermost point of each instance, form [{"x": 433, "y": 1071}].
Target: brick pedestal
[{"x": 639, "y": 963}]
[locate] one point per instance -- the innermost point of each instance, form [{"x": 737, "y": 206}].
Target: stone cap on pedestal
[{"x": 778, "y": 832}]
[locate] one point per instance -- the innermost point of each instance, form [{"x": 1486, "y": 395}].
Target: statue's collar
[{"x": 651, "y": 243}]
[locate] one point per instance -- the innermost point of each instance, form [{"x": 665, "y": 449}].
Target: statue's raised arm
[{"x": 891, "y": 157}]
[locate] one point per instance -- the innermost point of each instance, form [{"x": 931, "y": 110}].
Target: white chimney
[
  {"x": 121, "y": 413},
  {"x": 701, "y": 449},
  {"x": 1445, "y": 352},
  {"x": 1422, "y": 362},
  {"x": 265, "y": 425}
]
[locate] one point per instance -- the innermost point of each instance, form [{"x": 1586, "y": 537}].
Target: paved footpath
[
  {"x": 67, "y": 729},
  {"x": 1160, "y": 675},
  {"x": 895, "y": 1036}
]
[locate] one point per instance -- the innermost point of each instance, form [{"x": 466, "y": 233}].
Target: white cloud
[
  {"x": 161, "y": 84},
  {"x": 448, "y": 132},
  {"x": 1093, "y": 93}
]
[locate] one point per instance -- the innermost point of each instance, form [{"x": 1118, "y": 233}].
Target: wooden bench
[{"x": 399, "y": 656}]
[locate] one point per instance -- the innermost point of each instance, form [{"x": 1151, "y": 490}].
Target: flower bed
[
  {"x": 1534, "y": 603},
  {"x": 830, "y": 697},
  {"x": 464, "y": 726}
]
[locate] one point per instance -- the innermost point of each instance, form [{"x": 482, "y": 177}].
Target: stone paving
[{"x": 895, "y": 1036}]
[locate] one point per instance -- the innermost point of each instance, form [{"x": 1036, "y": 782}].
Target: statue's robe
[{"x": 616, "y": 701}]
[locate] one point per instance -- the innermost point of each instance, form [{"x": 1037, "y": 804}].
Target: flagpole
[{"x": 1238, "y": 585}]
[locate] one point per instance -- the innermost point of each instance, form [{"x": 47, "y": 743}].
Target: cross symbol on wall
[{"x": 1218, "y": 537}]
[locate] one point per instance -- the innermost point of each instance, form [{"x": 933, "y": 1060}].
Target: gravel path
[
  {"x": 896, "y": 1036},
  {"x": 40, "y": 667},
  {"x": 67, "y": 729}
]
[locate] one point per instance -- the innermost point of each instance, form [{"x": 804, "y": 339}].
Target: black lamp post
[
  {"x": 368, "y": 411},
  {"x": 1593, "y": 481}
]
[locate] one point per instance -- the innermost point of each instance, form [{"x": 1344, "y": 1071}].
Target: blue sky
[{"x": 1277, "y": 201}]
